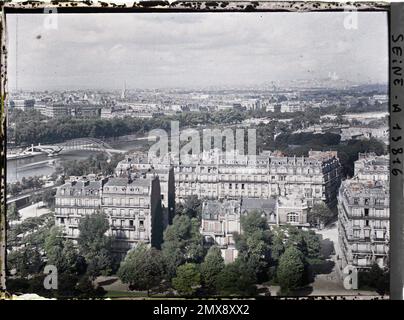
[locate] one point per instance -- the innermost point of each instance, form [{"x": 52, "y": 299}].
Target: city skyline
[{"x": 199, "y": 50}]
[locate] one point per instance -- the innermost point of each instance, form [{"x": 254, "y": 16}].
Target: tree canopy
[
  {"x": 235, "y": 279},
  {"x": 211, "y": 267},
  {"x": 12, "y": 212},
  {"x": 61, "y": 252},
  {"x": 187, "y": 280},
  {"x": 290, "y": 272},
  {"x": 142, "y": 268},
  {"x": 94, "y": 244},
  {"x": 192, "y": 207},
  {"x": 254, "y": 244},
  {"x": 182, "y": 243},
  {"x": 319, "y": 214}
]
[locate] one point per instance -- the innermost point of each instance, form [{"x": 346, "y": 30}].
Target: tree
[
  {"x": 319, "y": 214},
  {"x": 173, "y": 256},
  {"x": 14, "y": 188},
  {"x": 278, "y": 245},
  {"x": 32, "y": 231},
  {"x": 48, "y": 197},
  {"x": 254, "y": 244},
  {"x": 94, "y": 245},
  {"x": 61, "y": 252},
  {"x": 12, "y": 212},
  {"x": 211, "y": 267},
  {"x": 92, "y": 238},
  {"x": 295, "y": 238},
  {"x": 313, "y": 244},
  {"x": 67, "y": 283},
  {"x": 192, "y": 207},
  {"x": 142, "y": 268},
  {"x": 376, "y": 278},
  {"x": 253, "y": 222},
  {"x": 235, "y": 279},
  {"x": 54, "y": 246},
  {"x": 86, "y": 290},
  {"x": 290, "y": 273},
  {"x": 348, "y": 152},
  {"x": 26, "y": 261},
  {"x": 182, "y": 243},
  {"x": 188, "y": 279}
]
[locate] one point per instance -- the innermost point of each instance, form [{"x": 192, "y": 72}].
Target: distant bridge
[{"x": 90, "y": 144}]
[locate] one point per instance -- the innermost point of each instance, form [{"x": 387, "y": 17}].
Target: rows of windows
[
  {"x": 126, "y": 212},
  {"x": 129, "y": 235},
  {"x": 68, "y": 221},
  {"x": 117, "y": 201},
  {"x": 75, "y": 211},
  {"x": 369, "y": 201},
  {"x": 124, "y": 189},
  {"x": 77, "y": 202},
  {"x": 128, "y": 223},
  {"x": 78, "y": 192},
  {"x": 368, "y": 233},
  {"x": 298, "y": 177}
]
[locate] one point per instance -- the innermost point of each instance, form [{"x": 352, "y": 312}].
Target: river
[{"x": 42, "y": 165}]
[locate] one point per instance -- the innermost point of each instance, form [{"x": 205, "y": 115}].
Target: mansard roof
[{"x": 266, "y": 205}]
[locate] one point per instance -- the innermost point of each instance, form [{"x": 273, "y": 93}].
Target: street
[{"x": 330, "y": 281}]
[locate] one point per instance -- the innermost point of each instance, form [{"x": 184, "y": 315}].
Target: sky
[{"x": 193, "y": 50}]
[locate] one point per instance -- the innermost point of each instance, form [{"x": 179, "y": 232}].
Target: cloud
[{"x": 194, "y": 49}]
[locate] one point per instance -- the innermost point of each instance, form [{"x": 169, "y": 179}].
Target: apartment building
[
  {"x": 214, "y": 175},
  {"x": 363, "y": 214},
  {"x": 139, "y": 165},
  {"x": 77, "y": 197},
  {"x": 132, "y": 205},
  {"x": 221, "y": 219}
]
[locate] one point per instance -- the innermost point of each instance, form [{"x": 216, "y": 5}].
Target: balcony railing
[
  {"x": 368, "y": 217},
  {"x": 78, "y": 206},
  {"x": 114, "y": 227}
]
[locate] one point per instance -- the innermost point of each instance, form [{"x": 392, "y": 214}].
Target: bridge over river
[{"x": 90, "y": 144}]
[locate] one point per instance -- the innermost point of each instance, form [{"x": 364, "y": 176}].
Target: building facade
[
  {"x": 132, "y": 206},
  {"x": 77, "y": 197},
  {"x": 22, "y": 104},
  {"x": 138, "y": 165},
  {"x": 77, "y": 110},
  {"x": 363, "y": 214},
  {"x": 221, "y": 219},
  {"x": 316, "y": 177}
]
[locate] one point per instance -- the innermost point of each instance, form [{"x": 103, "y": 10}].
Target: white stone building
[
  {"x": 214, "y": 175},
  {"x": 132, "y": 206},
  {"x": 363, "y": 214},
  {"x": 77, "y": 197},
  {"x": 221, "y": 218}
]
